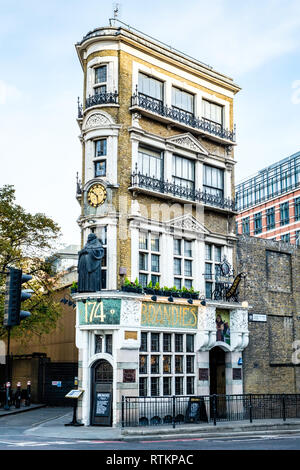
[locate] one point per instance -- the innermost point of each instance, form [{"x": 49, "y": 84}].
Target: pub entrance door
[
  {"x": 218, "y": 379},
  {"x": 102, "y": 393}
]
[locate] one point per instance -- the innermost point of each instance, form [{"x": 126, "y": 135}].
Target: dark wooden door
[{"x": 102, "y": 394}]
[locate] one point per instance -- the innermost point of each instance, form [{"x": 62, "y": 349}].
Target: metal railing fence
[{"x": 174, "y": 410}]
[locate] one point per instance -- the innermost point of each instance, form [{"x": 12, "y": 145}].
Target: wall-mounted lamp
[
  {"x": 170, "y": 299},
  {"x": 203, "y": 301},
  {"x": 190, "y": 301},
  {"x": 68, "y": 301},
  {"x": 154, "y": 298}
]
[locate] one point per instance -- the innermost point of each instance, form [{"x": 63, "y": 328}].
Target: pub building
[{"x": 161, "y": 316}]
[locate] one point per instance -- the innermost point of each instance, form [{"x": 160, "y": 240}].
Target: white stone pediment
[
  {"x": 187, "y": 222},
  {"x": 188, "y": 142},
  {"x": 97, "y": 119}
]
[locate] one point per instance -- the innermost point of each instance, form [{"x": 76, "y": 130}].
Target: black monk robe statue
[{"x": 89, "y": 265}]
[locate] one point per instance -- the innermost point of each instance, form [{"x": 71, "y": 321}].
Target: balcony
[
  {"x": 170, "y": 190},
  {"x": 153, "y": 107},
  {"x": 102, "y": 98}
]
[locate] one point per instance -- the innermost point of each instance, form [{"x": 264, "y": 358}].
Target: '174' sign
[{"x": 103, "y": 312}]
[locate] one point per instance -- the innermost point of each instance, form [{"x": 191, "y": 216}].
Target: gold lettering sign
[
  {"x": 169, "y": 315},
  {"x": 130, "y": 334}
]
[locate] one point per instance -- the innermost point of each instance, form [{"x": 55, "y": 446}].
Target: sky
[{"x": 257, "y": 43}]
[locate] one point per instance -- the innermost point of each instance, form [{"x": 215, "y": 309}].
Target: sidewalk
[
  {"x": 55, "y": 429},
  {"x": 13, "y": 410}
]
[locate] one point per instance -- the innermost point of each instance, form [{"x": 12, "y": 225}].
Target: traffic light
[{"x": 14, "y": 295}]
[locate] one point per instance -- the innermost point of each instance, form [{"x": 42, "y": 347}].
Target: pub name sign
[{"x": 167, "y": 315}]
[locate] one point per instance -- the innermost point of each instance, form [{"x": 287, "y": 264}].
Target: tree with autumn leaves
[{"x": 26, "y": 241}]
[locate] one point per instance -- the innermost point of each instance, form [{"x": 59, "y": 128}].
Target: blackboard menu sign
[
  {"x": 196, "y": 410},
  {"x": 103, "y": 401}
]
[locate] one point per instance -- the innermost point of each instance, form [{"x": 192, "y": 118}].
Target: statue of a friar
[{"x": 89, "y": 265}]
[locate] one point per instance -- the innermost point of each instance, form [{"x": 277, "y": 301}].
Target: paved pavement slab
[{"x": 55, "y": 428}]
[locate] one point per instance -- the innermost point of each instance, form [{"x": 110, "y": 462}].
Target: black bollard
[
  {"x": 7, "y": 396},
  {"x": 18, "y": 396},
  {"x": 28, "y": 394}
]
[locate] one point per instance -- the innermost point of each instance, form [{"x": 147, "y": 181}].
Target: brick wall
[{"x": 272, "y": 288}]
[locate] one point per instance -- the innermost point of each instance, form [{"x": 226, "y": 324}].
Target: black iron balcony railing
[
  {"x": 156, "y": 106},
  {"x": 79, "y": 107},
  {"x": 139, "y": 180},
  {"x": 102, "y": 98}
]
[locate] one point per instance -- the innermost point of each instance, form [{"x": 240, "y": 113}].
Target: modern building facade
[
  {"x": 157, "y": 187},
  {"x": 268, "y": 203}
]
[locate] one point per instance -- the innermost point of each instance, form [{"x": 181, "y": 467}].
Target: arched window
[{"x": 103, "y": 372}]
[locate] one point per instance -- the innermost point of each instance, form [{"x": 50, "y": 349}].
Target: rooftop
[{"x": 130, "y": 33}]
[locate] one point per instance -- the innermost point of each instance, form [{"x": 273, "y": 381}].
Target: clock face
[{"x": 96, "y": 195}]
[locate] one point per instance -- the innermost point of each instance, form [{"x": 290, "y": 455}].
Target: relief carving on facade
[
  {"x": 130, "y": 313},
  {"x": 96, "y": 120},
  {"x": 187, "y": 222},
  {"x": 189, "y": 142},
  {"x": 239, "y": 321}
]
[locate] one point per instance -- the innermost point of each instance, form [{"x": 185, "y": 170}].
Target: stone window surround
[
  {"x": 169, "y": 148},
  {"x": 90, "y": 138},
  {"x": 112, "y": 74},
  {"x": 170, "y": 82}
]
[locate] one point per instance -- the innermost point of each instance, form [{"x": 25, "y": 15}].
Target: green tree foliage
[{"x": 25, "y": 241}]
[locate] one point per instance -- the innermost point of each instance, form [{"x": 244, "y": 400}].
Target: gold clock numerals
[{"x": 96, "y": 195}]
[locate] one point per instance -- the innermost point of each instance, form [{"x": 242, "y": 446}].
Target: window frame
[
  {"x": 219, "y": 125},
  {"x": 180, "y": 180},
  {"x": 99, "y": 158},
  {"x": 258, "y": 226},
  {"x": 209, "y": 188},
  {"x": 149, "y": 273},
  {"x": 166, "y": 380},
  {"x": 100, "y": 84},
  {"x": 213, "y": 262},
  {"x": 157, "y": 100},
  {"x": 182, "y": 279},
  {"x": 284, "y": 213},
  {"x": 246, "y": 225},
  {"x": 180, "y": 108},
  {"x": 270, "y": 218}
]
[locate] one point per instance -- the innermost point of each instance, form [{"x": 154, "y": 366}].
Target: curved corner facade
[{"x": 157, "y": 187}]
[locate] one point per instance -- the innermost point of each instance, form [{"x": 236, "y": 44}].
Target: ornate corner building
[{"x": 157, "y": 187}]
